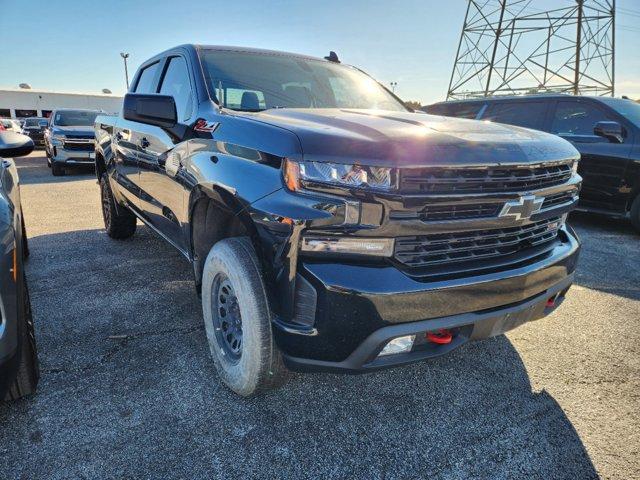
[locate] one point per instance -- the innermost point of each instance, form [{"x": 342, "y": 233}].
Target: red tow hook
[
  {"x": 441, "y": 336},
  {"x": 551, "y": 302}
]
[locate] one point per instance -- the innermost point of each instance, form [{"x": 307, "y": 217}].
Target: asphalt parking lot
[{"x": 128, "y": 389}]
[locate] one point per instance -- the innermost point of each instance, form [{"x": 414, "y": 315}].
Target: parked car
[
  {"x": 605, "y": 130},
  {"x": 35, "y": 127},
  {"x": 10, "y": 125},
  {"x": 329, "y": 228},
  {"x": 19, "y": 370},
  {"x": 69, "y": 139}
]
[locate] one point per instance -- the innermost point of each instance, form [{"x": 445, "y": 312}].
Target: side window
[
  {"x": 465, "y": 110},
  {"x": 521, "y": 114},
  {"x": 460, "y": 110},
  {"x": 176, "y": 83},
  {"x": 145, "y": 81},
  {"x": 576, "y": 118}
]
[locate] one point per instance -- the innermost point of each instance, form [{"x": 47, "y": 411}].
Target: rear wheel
[
  {"x": 238, "y": 320},
  {"x": 635, "y": 213},
  {"x": 119, "y": 222},
  {"x": 28, "y": 374}
]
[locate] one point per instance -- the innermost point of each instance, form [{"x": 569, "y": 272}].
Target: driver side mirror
[
  {"x": 612, "y": 131},
  {"x": 152, "y": 109},
  {"x": 14, "y": 144}
]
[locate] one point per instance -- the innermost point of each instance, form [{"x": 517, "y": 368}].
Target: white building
[{"x": 15, "y": 103}]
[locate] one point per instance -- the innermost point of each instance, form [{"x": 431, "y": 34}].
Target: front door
[
  {"x": 602, "y": 163},
  {"x": 164, "y": 194}
]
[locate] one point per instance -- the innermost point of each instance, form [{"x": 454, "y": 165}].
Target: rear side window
[
  {"x": 576, "y": 118},
  {"x": 460, "y": 110},
  {"x": 176, "y": 83},
  {"x": 521, "y": 114},
  {"x": 145, "y": 81}
]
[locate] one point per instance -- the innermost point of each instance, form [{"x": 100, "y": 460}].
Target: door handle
[{"x": 144, "y": 143}]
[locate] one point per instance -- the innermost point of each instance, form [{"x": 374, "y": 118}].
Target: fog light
[
  {"x": 381, "y": 247},
  {"x": 398, "y": 345}
]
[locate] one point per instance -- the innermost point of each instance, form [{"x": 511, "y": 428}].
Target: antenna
[{"x": 332, "y": 57}]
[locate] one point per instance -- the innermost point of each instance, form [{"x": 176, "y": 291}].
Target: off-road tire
[
  {"x": 57, "y": 170},
  {"x": 259, "y": 367},
  {"x": 28, "y": 374},
  {"x": 635, "y": 213},
  {"x": 119, "y": 222}
]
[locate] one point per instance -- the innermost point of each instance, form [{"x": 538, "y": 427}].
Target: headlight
[
  {"x": 379, "y": 247},
  {"x": 57, "y": 139},
  {"x": 338, "y": 174}
]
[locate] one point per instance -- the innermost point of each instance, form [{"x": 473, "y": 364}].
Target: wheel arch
[{"x": 216, "y": 214}]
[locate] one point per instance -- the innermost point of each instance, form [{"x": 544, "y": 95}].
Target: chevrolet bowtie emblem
[{"x": 522, "y": 208}]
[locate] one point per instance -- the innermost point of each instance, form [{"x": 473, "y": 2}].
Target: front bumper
[
  {"x": 360, "y": 308},
  {"x": 62, "y": 156}
]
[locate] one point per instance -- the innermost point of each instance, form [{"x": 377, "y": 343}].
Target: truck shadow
[
  {"x": 610, "y": 249},
  {"x": 33, "y": 170},
  {"x": 122, "y": 346}
]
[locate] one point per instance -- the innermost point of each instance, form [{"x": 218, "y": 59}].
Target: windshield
[
  {"x": 35, "y": 122},
  {"x": 257, "y": 81},
  {"x": 74, "y": 118},
  {"x": 627, "y": 108}
]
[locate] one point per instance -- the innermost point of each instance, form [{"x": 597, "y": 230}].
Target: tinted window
[
  {"x": 176, "y": 83},
  {"x": 5, "y": 112},
  {"x": 145, "y": 82},
  {"x": 460, "y": 110},
  {"x": 521, "y": 114},
  {"x": 627, "y": 108},
  {"x": 576, "y": 118}
]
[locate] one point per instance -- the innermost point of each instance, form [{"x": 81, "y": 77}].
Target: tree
[{"x": 413, "y": 105}]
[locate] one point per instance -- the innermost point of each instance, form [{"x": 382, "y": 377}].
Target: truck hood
[
  {"x": 73, "y": 130},
  {"x": 403, "y": 139}
]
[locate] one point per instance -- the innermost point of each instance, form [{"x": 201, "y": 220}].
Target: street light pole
[
  {"x": 126, "y": 72},
  {"x": 393, "y": 86}
]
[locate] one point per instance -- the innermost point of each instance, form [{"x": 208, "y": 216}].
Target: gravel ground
[{"x": 128, "y": 390}]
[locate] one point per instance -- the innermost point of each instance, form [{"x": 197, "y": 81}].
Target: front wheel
[
  {"x": 119, "y": 222},
  {"x": 238, "y": 320}
]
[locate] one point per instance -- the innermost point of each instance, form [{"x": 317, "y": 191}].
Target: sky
[{"x": 74, "y": 45}]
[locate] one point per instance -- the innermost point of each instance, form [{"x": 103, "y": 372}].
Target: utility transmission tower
[{"x": 508, "y": 47}]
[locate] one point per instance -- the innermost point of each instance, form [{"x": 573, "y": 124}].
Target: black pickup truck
[{"x": 329, "y": 227}]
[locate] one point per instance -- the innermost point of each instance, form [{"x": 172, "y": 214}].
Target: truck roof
[{"x": 233, "y": 48}]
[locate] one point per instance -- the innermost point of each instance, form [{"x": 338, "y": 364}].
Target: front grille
[
  {"x": 83, "y": 136},
  {"x": 447, "y": 248},
  {"x": 558, "y": 199},
  {"x": 439, "y": 213},
  {"x": 79, "y": 146},
  {"x": 444, "y": 180}
]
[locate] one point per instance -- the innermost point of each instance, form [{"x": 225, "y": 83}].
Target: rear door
[
  {"x": 126, "y": 140},
  {"x": 164, "y": 195},
  {"x": 602, "y": 163}
]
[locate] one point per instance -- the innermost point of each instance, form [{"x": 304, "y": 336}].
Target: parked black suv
[
  {"x": 34, "y": 127},
  {"x": 605, "y": 130},
  {"x": 328, "y": 227}
]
